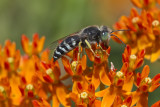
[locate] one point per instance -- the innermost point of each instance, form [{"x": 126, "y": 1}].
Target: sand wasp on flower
[{"x": 85, "y": 38}]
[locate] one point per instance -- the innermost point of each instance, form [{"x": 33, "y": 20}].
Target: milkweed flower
[
  {"x": 35, "y": 80},
  {"x": 34, "y": 47},
  {"x": 144, "y": 28},
  {"x": 84, "y": 95},
  {"x": 145, "y": 84}
]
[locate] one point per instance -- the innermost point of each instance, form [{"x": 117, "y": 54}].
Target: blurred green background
[{"x": 58, "y": 18}]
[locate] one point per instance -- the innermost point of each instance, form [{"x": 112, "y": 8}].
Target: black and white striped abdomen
[{"x": 65, "y": 46}]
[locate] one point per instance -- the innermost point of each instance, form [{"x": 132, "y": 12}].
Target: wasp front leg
[{"x": 89, "y": 46}]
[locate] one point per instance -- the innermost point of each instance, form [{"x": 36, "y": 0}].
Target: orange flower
[
  {"x": 75, "y": 67},
  {"x": 84, "y": 95},
  {"x": 49, "y": 72},
  {"x": 10, "y": 57},
  {"x": 145, "y": 84},
  {"x": 133, "y": 60},
  {"x": 145, "y": 31},
  {"x": 34, "y": 47},
  {"x": 121, "y": 82}
]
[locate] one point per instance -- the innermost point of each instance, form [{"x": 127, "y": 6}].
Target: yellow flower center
[
  {"x": 10, "y": 59},
  {"x": 1, "y": 89},
  {"x": 119, "y": 74},
  {"x": 49, "y": 71},
  {"x": 74, "y": 65},
  {"x": 135, "y": 19},
  {"x": 84, "y": 95},
  {"x": 155, "y": 23},
  {"x": 148, "y": 80},
  {"x": 133, "y": 57},
  {"x": 29, "y": 86},
  {"x": 124, "y": 106}
]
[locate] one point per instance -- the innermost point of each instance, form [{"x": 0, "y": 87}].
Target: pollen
[
  {"x": 29, "y": 86},
  {"x": 155, "y": 23},
  {"x": 133, "y": 56},
  {"x": 10, "y": 59},
  {"x": 124, "y": 106},
  {"x": 135, "y": 19},
  {"x": 74, "y": 65},
  {"x": 84, "y": 95},
  {"x": 119, "y": 74},
  {"x": 148, "y": 80},
  {"x": 49, "y": 71},
  {"x": 1, "y": 89}
]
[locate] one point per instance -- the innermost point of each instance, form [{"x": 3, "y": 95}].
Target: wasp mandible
[{"x": 84, "y": 38}]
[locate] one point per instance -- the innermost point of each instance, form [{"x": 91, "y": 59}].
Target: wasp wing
[{"x": 53, "y": 46}]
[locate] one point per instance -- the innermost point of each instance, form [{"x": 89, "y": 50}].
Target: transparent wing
[{"x": 54, "y": 44}]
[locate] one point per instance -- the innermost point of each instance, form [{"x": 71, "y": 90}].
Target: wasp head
[{"x": 105, "y": 33}]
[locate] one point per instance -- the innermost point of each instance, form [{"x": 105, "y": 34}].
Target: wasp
[{"x": 84, "y": 38}]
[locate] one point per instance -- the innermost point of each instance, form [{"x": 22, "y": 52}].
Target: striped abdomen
[{"x": 65, "y": 46}]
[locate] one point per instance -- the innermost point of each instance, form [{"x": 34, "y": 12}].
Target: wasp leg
[
  {"x": 88, "y": 44},
  {"x": 102, "y": 49},
  {"x": 79, "y": 50}
]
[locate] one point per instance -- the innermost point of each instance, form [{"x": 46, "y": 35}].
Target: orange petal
[
  {"x": 128, "y": 84},
  {"x": 101, "y": 93},
  {"x": 104, "y": 78},
  {"x": 128, "y": 101},
  {"x": 138, "y": 63},
  {"x": 62, "y": 92},
  {"x": 25, "y": 44},
  {"x": 40, "y": 44},
  {"x": 90, "y": 55},
  {"x": 83, "y": 61},
  {"x": 55, "y": 101},
  {"x": 155, "y": 56},
  {"x": 143, "y": 101},
  {"x": 108, "y": 98},
  {"x": 97, "y": 103},
  {"x": 67, "y": 65},
  {"x": 157, "y": 104},
  {"x": 95, "y": 77},
  {"x": 124, "y": 67},
  {"x": 135, "y": 97},
  {"x": 145, "y": 72}
]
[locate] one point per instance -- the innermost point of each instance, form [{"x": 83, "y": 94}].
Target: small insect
[{"x": 84, "y": 38}]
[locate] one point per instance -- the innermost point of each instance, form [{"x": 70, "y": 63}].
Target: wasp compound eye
[{"x": 104, "y": 36}]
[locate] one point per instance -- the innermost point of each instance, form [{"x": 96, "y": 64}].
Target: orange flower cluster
[
  {"x": 145, "y": 28},
  {"x": 34, "y": 80}
]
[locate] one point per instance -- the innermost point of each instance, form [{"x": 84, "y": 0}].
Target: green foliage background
[{"x": 58, "y": 18}]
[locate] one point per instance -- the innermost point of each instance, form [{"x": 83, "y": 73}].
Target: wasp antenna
[
  {"x": 121, "y": 30},
  {"x": 118, "y": 39}
]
